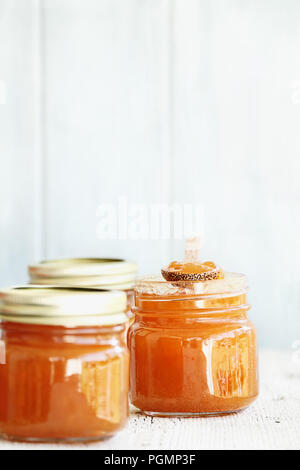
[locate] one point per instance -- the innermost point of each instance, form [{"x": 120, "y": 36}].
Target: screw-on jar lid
[
  {"x": 107, "y": 273},
  {"x": 69, "y": 307}
]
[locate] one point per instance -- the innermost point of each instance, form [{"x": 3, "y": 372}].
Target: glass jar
[
  {"x": 192, "y": 347},
  {"x": 64, "y": 367},
  {"x": 103, "y": 273}
]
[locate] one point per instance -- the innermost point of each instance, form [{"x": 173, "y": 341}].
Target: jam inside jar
[
  {"x": 192, "y": 347},
  {"x": 63, "y": 377}
]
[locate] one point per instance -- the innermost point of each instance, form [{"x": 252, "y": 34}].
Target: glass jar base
[
  {"x": 50, "y": 440},
  {"x": 160, "y": 414}
]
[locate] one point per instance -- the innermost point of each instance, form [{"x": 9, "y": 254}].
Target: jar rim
[{"x": 157, "y": 286}]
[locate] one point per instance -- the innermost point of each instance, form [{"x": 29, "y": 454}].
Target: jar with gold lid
[
  {"x": 103, "y": 273},
  {"x": 63, "y": 365}
]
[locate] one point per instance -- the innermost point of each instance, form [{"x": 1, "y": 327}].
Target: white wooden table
[{"x": 272, "y": 422}]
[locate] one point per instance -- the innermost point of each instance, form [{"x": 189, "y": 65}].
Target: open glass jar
[
  {"x": 192, "y": 347},
  {"x": 103, "y": 273},
  {"x": 63, "y": 365}
]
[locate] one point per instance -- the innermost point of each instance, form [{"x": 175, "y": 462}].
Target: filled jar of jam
[
  {"x": 192, "y": 346},
  {"x": 103, "y": 273},
  {"x": 64, "y": 369}
]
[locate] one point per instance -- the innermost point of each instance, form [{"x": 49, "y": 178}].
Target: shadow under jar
[
  {"x": 103, "y": 273},
  {"x": 192, "y": 347},
  {"x": 64, "y": 369}
]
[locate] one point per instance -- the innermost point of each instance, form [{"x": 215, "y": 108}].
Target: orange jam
[
  {"x": 192, "y": 347},
  {"x": 192, "y": 267},
  {"x": 63, "y": 376}
]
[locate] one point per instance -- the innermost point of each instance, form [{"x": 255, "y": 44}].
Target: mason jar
[
  {"x": 103, "y": 273},
  {"x": 64, "y": 368},
  {"x": 192, "y": 347}
]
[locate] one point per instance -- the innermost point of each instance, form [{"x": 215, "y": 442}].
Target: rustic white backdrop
[{"x": 194, "y": 101}]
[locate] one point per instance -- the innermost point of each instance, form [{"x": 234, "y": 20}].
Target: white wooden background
[{"x": 155, "y": 100}]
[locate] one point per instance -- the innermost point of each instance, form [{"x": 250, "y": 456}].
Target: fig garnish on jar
[
  {"x": 205, "y": 271},
  {"x": 192, "y": 269}
]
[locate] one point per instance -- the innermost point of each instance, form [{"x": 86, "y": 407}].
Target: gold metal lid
[
  {"x": 109, "y": 273},
  {"x": 69, "y": 307}
]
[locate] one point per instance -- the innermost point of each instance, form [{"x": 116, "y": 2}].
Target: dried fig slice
[{"x": 192, "y": 271}]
